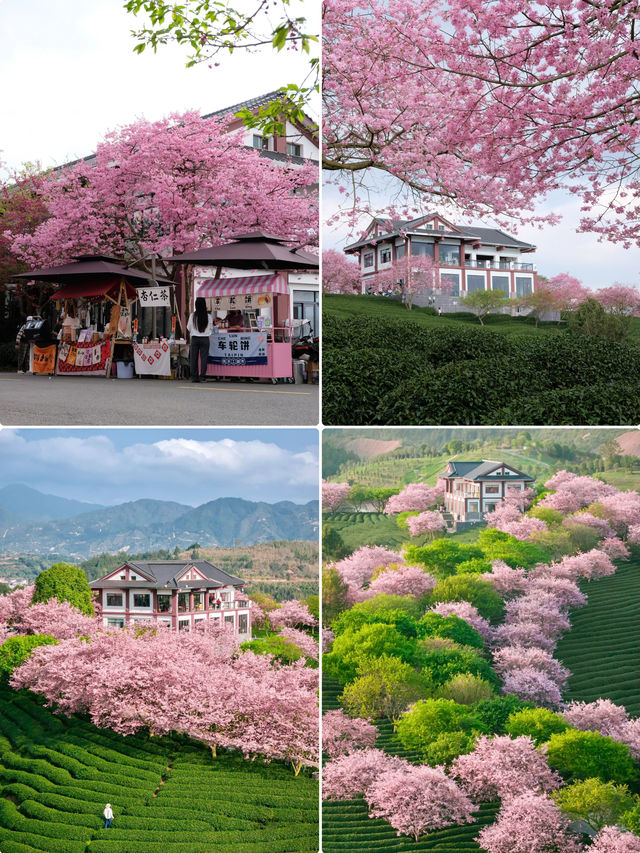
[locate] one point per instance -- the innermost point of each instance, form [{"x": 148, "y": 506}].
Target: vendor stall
[{"x": 259, "y": 343}]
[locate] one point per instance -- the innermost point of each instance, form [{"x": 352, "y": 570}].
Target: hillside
[
  {"x": 147, "y": 525},
  {"x": 167, "y": 794},
  {"x": 603, "y": 647}
]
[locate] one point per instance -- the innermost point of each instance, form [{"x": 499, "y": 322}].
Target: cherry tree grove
[
  {"x": 340, "y": 274},
  {"x": 529, "y": 823},
  {"x": 292, "y": 613},
  {"x": 487, "y": 106},
  {"x": 402, "y": 580},
  {"x": 139, "y": 678},
  {"x": 168, "y": 186},
  {"x": 610, "y": 839},
  {"x": 357, "y": 569},
  {"x": 428, "y": 522},
  {"x": 60, "y": 620}
]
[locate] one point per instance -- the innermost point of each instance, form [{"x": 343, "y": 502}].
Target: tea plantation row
[
  {"x": 56, "y": 775},
  {"x": 390, "y": 371}
]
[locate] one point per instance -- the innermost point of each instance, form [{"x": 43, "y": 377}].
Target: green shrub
[
  {"x": 465, "y": 689},
  {"x": 474, "y": 567},
  {"x": 599, "y": 803},
  {"x": 582, "y": 755},
  {"x": 538, "y": 723},
  {"x": 443, "y": 557},
  {"x": 66, "y": 583},
  {"x": 282, "y": 649},
  {"x": 495, "y": 712},
  {"x": 350, "y": 647},
  {"x": 469, "y": 588},
  {"x": 442, "y": 664},
  {"x": 452, "y": 627},
  {"x": 429, "y": 718},
  {"x": 354, "y": 619},
  {"x": 497, "y": 545},
  {"x": 447, "y": 747},
  {"x": 384, "y": 687},
  {"x": 15, "y": 651}
]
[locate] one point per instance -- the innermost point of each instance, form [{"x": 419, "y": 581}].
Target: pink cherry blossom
[
  {"x": 504, "y": 767},
  {"x": 614, "y": 548},
  {"x": 403, "y": 580},
  {"x": 342, "y": 734},
  {"x": 505, "y": 580},
  {"x": 611, "y": 839},
  {"x": 357, "y": 569},
  {"x": 566, "y": 592},
  {"x": 426, "y": 522},
  {"x": 532, "y": 685},
  {"x": 302, "y": 640},
  {"x": 415, "y": 497},
  {"x": 340, "y": 274},
  {"x": 589, "y": 520},
  {"x": 351, "y": 775},
  {"x": 419, "y": 799},
  {"x": 512, "y": 658},
  {"x": 292, "y": 613},
  {"x": 527, "y": 634},
  {"x": 333, "y": 495},
  {"x": 467, "y": 611},
  {"x": 529, "y": 823},
  {"x": 633, "y": 534}
]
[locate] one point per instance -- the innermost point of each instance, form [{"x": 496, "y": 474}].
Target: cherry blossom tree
[
  {"x": 327, "y": 639},
  {"x": 340, "y": 274},
  {"x": 467, "y": 611},
  {"x": 512, "y": 658},
  {"x": 621, "y": 509},
  {"x": 633, "y": 535},
  {"x": 540, "y": 608},
  {"x": 590, "y": 565},
  {"x": 429, "y": 523},
  {"x": 611, "y": 839},
  {"x": 529, "y": 823},
  {"x": 565, "y": 591},
  {"x": 532, "y": 685},
  {"x": 292, "y": 613},
  {"x": 538, "y": 107},
  {"x": 168, "y": 186},
  {"x": 403, "y": 580},
  {"x": 415, "y": 497},
  {"x": 561, "y": 293},
  {"x": 342, "y": 734},
  {"x": 619, "y": 299},
  {"x": 302, "y": 640},
  {"x": 415, "y": 800},
  {"x": 589, "y": 520},
  {"x": 504, "y": 767},
  {"x": 608, "y": 719},
  {"x": 614, "y": 548},
  {"x": 333, "y": 495},
  {"x": 357, "y": 569},
  {"x": 407, "y": 277},
  {"x": 505, "y": 580},
  {"x": 62, "y": 621},
  {"x": 14, "y": 604},
  {"x": 583, "y": 490},
  {"x": 527, "y": 634},
  {"x": 348, "y": 776}
]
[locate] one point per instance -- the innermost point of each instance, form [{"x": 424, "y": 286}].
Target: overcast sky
[
  {"x": 559, "y": 247},
  {"x": 188, "y": 466},
  {"x": 68, "y": 74}
]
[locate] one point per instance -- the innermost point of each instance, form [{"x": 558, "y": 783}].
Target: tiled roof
[
  {"x": 164, "y": 573},
  {"x": 482, "y": 471},
  {"x": 249, "y": 104}
]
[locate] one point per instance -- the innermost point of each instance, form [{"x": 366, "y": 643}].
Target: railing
[{"x": 495, "y": 265}]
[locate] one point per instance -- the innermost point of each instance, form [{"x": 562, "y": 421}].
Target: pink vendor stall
[{"x": 259, "y": 344}]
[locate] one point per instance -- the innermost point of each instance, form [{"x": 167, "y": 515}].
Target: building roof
[
  {"x": 164, "y": 574},
  {"x": 399, "y": 227},
  {"x": 249, "y": 104},
  {"x": 481, "y": 470}
]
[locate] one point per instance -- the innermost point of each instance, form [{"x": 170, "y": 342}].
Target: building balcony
[{"x": 494, "y": 265}]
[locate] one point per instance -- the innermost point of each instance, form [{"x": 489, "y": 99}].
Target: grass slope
[
  {"x": 56, "y": 774},
  {"x": 602, "y": 650},
  {"x": 347, "y": 828}
]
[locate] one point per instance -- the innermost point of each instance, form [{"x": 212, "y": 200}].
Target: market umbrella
[
  {"x": 254, "y": 250},
  {"x": 91, "y": 267}
]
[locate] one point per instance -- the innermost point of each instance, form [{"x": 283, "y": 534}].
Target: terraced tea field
[
  {"x": 367, "y": 528},
  {"x": 167, "y": 794},
  {"x": 347, "y": 828},
  {"x": 602, "y": 650}
]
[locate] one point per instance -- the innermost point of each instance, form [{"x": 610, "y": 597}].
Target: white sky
[
  {"x": 68, "y": 74},
  {"x": 559, "y": 247}
]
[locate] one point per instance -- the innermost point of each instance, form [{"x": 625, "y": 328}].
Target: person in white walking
[{"x": 108, "y": 816}]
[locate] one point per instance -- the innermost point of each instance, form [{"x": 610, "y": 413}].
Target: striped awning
[{"x": 243, "y": 285}]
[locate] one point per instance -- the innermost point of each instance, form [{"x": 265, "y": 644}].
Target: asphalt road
[{"x": 29, "y": 400}]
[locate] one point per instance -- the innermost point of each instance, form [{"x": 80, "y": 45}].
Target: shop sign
[{"x": 238, "y": 348}]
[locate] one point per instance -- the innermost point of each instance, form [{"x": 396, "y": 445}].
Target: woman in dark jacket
[{"x": 200, "y": 327}]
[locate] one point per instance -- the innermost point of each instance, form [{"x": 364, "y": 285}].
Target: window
[
  {"x": 141, "y": 599},
  {"x": 115, "y": 623},
  {"x": 489, "y": 507},
  {"x": 243, "y": 623},
  {"x": 449, "y": 254},
  {"x": 401, "y": 250},
  {"x": 260, "y": 142},
  {"x": 475, "y": 282},
  {"x": 198, "y": 603},
  {"x": 228, "y": 620},
  {"x": 294, "y": 150},
  {"x": 223, "y": 596},
  {"x": 421, "y": 249},
  {"x": 492, "y": 490},
  {"x": 385, "y": 256},
  {"x": 524, "y": 285},
  {"x": 133, "y": 578},
  {"x": 367, "y": 259},
  {"x": 450, "y": 283},
  {"x": 474, "y": 506},
  {"x": 114, "y": 599},
  {"x": 164, "y": 602},
  {"x": 123, "y": 577},
  {"x": 184, "y": 624},
  {"x": 500, "y": 282},
  {"x": 183, "y": 602}
]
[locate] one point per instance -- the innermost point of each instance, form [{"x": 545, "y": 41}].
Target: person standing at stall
[
  {"x": 22, "y": 345},
  {"x": 200, "y": 327}
]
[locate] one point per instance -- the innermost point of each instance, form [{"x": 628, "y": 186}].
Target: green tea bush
[
  {"x": 583, "y": 755},
  {"x": 388, "y": 371}
]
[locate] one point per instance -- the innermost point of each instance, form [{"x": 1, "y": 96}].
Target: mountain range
[{"x": 35, "y": 523}]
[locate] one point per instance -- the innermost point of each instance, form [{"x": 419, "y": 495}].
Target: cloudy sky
[
  {"x": 68, "y": 74},
  {"x": 559, "y": 247},
  {"x": 189, "y": 466}
]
